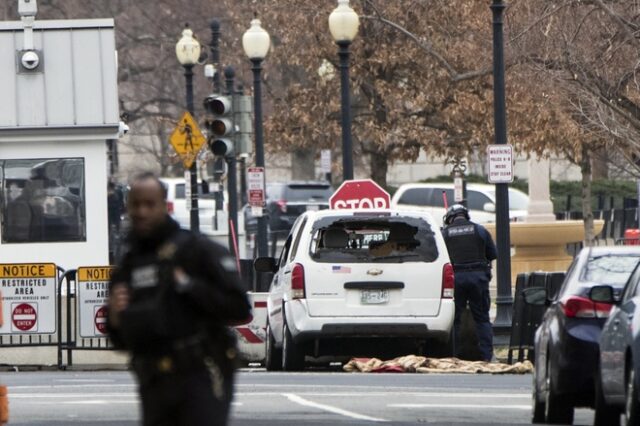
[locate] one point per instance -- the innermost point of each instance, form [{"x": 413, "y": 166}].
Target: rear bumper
[
  {"x": 575, "y": 362},
  {"x": 304, "y": 327}
]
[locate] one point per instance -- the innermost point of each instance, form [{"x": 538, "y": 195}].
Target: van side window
[
  {"x": 416, "y": 196},
  {"x": 284, "y": 254},
  {"x": 296, "y": 242}
]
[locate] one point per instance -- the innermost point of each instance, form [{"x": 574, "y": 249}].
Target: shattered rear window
[{"x": 355, "y": 239}]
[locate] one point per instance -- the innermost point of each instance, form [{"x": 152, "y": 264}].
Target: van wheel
[
  {"x": 292, "y": 356},
  {"x": 440, "y": 348},
  {"x": 605, "y": 415},
  {"x": 273, "y": 355},
  {"x": 631, "y": 405}
]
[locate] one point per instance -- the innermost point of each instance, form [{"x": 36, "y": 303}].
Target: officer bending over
[
  {"x": 171, "y": 298},
  {"x": 471, "y": 250}
]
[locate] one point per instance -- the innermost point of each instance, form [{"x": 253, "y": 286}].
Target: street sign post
[
  {"x": 360, "y": 194},
  {"x": 256, "y": 190},
  {"x": 458, "y": 189},
  {"x": 500, "y": 163},
  {"x": 325, "y": 161},
  {"x": 187, "y": 139}
]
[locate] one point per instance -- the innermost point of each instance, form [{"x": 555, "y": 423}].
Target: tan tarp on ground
[{"x": 420, "y": 364}]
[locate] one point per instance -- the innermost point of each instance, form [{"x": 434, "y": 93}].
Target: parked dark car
[
  {"x": 288, "y": 200},
  {"x": 617, "y": 387},
  {"x": 566, "y": 343}
]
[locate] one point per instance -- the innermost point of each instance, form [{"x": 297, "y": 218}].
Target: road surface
[{"x": 282, "y": 399}]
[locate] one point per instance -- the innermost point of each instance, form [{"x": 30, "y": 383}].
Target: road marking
[
  {"x": 92, "y": 385},
  {"x": 84, "y": 381},
  {"x": 72, "y": 395},
  {"x": 498, "y": 407},
  {"x": 329, "y": 408}
]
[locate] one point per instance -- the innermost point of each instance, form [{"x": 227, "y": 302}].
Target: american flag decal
[{"x": 340, "y": 269}]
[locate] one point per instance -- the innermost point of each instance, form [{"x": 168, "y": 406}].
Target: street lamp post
[
  {"x": 343, "y": 24},
  {"x": 504, "y": 301},
  {"x": 188, "y": 52},
  {"x": 256, "y": 42}
]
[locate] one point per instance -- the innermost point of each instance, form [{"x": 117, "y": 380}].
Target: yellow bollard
[{"x": 4, "y": 405}]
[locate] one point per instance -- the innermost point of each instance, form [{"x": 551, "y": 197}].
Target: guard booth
[{"x": 58, "y": 81}]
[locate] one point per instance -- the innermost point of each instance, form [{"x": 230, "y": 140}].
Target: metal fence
[
  {"x": 66, "y": 337},
  {"x": 526, "y": 318}
]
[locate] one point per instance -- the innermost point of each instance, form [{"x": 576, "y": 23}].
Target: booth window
[{"x": 43, "y": 200}]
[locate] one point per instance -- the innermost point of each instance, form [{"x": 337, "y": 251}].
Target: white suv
[
  {"x": 177, "y": 205},
  {"x": 358, "y": 283},
  {"x": 481, "y": 200}
]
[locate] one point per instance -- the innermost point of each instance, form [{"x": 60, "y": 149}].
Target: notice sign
[
  {"x": 29, "y": 298},
  {"x": 255, "y": 187},
  {"x": 91, "y": 296},
  {"x": 500, "y": 163}
]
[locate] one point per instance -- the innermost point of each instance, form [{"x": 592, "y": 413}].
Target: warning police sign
[
  {"x": 92, "y": 295},
  {"x": 29, "y": 298}
]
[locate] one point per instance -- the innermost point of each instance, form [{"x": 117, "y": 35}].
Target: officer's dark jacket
[
  {"x": 162, "y": 312},
  {"x": 469, "y": 244}
]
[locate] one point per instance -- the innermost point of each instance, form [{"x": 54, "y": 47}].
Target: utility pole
[{"x": 232, "y": 175}]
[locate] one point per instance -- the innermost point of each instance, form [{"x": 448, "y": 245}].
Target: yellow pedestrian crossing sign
[{"x": 187, "y": 139}]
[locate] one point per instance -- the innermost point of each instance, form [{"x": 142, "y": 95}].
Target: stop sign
[{"x": 360, "y": 194}]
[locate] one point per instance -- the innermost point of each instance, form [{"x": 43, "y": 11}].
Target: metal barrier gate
[
  {"x": 526, "y": 317},
  {"x": 37, "y": 339},
  {"x": 72, "y": 340}
]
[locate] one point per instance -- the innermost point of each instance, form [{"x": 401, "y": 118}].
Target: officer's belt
[
  {"x": 468, "y": 267},
  {"x": 184, "y": 354}
]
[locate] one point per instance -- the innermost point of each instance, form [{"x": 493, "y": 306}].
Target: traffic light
[{"x": 220, "y": 124}]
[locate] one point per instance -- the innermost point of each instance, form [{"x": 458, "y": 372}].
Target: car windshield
[
  {"x": 612, "y": 269},
  {"x": 305, "y": 192},
  {"x": 517, "y": 200},
  {"x": 380, "y": 239}
]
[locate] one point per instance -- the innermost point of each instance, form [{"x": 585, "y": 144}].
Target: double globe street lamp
[
  {"x": 343, "y": 24},
  {"x": 188, "y": 53},
  {"x": 256, "y": 43}
]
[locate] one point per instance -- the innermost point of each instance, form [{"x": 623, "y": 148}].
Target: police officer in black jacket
[
  {"x": 171, "y": 299},
  {"x": 471, "y": 250}
]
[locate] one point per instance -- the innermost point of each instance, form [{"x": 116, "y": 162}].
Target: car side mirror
[
  {"x": 536, "y": 296},
  {"x": 489, "y": 207},
  {"x": 602, "y": 294},
  {"x": 265, "y": 264}
]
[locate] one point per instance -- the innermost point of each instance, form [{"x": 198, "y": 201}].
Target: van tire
[
  {"x": 273, "y": 355},
  {"x": 292, "y": 356}
]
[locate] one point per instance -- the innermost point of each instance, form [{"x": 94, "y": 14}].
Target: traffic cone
[{"x": 4, "y": 405}]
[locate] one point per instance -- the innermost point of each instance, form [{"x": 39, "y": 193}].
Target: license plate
[{"x": 374, "y": 297}]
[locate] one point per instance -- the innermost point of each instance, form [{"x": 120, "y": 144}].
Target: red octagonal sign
[{"x": 360, "y": 194}]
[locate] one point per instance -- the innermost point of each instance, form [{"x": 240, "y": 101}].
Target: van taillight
[
  {"x": 581, "y": 307},
  {"x": 282, "y": 205},
  {"x": 448, "y": 281},
  {"x": 170, "y": 207},
  {"x": 297, "y": 282}
]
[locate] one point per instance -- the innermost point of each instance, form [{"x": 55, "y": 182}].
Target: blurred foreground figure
[{"x": 172, "y": 297}]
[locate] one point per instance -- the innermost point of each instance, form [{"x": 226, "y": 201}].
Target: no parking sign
[{"x": 92, "y": 295}]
